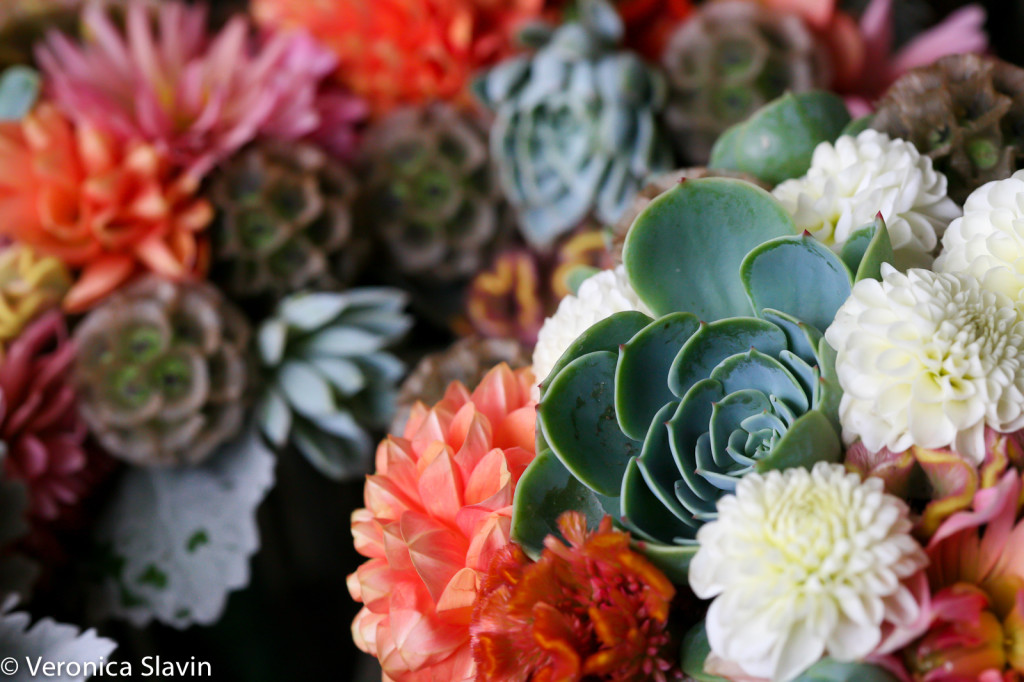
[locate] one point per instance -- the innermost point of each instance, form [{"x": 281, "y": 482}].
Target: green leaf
[
  {"x": 275, "y": 417},
  {"x": 578, "y": 275},
  {"x": 777, "y": 142},
  {"x": 544, "y": 492},
  {"x": 695, "y": 652},
  {"x": 344, "y": 375},
  {"x": 645, "y": 515},
  {"x": 332, "y": 457},
  {"x": 877, "y": 251},
  {"x": 797, "y": 275},
  {"x": 684, "y": 250},
  {"x": 341, "y": 341},
  {"x": 608, "y": 334},
  {"x": 659, "y": 468},
  {"x": 810, "y": 439},
  {"x": 271, "y": 340},
  {"x": 312, "y": 311},
  {"x": 828, "y": 670},
  {"x": 641, "y": 385},
  {"x": 672, "y": 560},
  {"x": 577, "y": 416},
  {"x": 305, "y": 389},
  {"x": 19, "y": 90},
  {"x": 858, "y": 125},
  {"x": 717, "y": 341},
  {"x": 829, "y": 393},
  {"x": 756, "y": 370}
]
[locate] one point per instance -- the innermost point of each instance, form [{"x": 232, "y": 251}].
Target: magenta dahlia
[
  {"x": 199, "y": 97},
  {"x": 39, "y": 422}
]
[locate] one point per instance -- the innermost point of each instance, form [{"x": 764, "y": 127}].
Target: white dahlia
[
  {"x": 928, "y": 359},
  {"x": 804, "y": 564},
  {"x": 988, "y": 241},
  {"x": 852, "y": 181},
  {"x": 600, "y": 296}
]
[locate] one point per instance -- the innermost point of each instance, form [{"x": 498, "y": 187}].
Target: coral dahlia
[
  {"x": 437, "y": 510},
  {"x": 162, "y": 79},
  {"x": 40, "y": 427},
  {"x": 107, "y": 207},
  {"x": 590, "y": 610},
  {"x": 405, "y": 51}
]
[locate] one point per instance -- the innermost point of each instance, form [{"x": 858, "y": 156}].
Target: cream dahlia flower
[
  {"x": 928, "y": 359},
  {"x": 804, "y": 564},
  {"x": 988, "y": 241},
  {"x": 852, "y": 181},
  {"x": 600, "y": 296}
]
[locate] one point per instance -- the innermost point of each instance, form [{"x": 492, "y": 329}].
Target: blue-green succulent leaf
[
  {"x": 641, "y": 385},
  {"x": 755, "y": 369},
  {"x": 577, "y": 416},
  {"x": 869, "y": 256},
  {"x": 829, "y": 670},
  {"x": 802, "y": 338},
  {"x": 644, "y": 514},
  {"x": 686, "y": 428},
  {"x": 828, "y": 393},
  {"x": 672, "y": 560},
  {"x": 19, "y": 90},
  {"x": 658, "y": 465},
  {"x": 717, "y": 341},
  {"x": 545, "y": 491},
  {"x": 777, "y": 142},
  {"x": 684, "y": 250},
  {"x": 608, "y": 334},
  {"x": 858, "y": 125},
  {"x": 812, "y": 438},
  {"x": 797, "y": 275},
  {"x": 695, "y": 652}
]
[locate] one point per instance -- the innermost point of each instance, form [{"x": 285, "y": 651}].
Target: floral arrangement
[{"x": 713, "y": 310}]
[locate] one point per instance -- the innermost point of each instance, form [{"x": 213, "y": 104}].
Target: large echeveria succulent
[
  {"x": 576, "y": 128},
  {"x": 747, "y": 382}
]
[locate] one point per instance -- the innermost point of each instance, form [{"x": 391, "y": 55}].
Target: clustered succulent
[
  {"x": 727, "y": 61},
  {"x": 965, "y": 112},
  {"x": 328, "y": 377},
  {"x": 748, "y": 382},
  {"x": 162, "y": 372},
  {"x": 284, "y": 221},
  {"x": 576, "y": 126}
]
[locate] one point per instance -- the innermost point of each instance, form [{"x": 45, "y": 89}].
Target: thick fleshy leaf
[
  {"x": 866, "y": 250},
  {"x": 312, "y": 311},
  {"x": 607, "y": 335},
  {"x": 829, "y": 670},
  {"x": 715, "y": 342},
  {"x": 19, "y": 90},
  {"x": 545, "y": 491},
  {"x": 764, "y": 373},
  {"x": 644, "y": 514},
  {"x": 641, "y": 386},
  {"x": 684, "y": 250},
  {"x": 305, "y": 389},
  {"x": 672, "y": 560},
  {"x": 829, "y": 393},
  {"x": 333, "y": 456},
  {"x": 659, "y": 467},
  {"x": 271, "y": 340},
  {"x": 344, "y": 375},
  {"x": 810, "y": 439},
  {"x": 275, "y": 417},
  {"x": 342, "y": 341},
  {"x": 686, "y": 429},
  {"x": 777, "y": 142},
  {"x": 577, "y": 416},
  {"x": 797, "y": 275},
  {"x": 695, "y": 652}
]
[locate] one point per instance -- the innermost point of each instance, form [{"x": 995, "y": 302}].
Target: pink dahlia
[
  {"x": 199, "y": 98},
  {"x": 437, "y": 510},
  {"x": 39, "y": 421}
]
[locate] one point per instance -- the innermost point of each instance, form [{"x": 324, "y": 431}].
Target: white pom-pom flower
[
  {"x": 804, "y": 564},
  {"x": 988, "y": 241},
  {"x": 928, "y": 359},
  {"x": 855, "y": 179},
  {"x": 600, "y": 296}
]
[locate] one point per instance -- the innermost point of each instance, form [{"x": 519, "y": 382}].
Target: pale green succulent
[
  {"x": 747, "y": 382},
  {"x": 576, "y": 126},
  {"x": 329, "y": 378}
]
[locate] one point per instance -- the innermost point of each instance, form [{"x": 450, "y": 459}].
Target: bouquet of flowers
[{"x": 783, "y": 440}]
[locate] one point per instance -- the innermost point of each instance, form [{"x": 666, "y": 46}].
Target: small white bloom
[
  {"x": 600, "y": 296},
  {"x": 850, "y": 182},
  {"x": 804, "y": 564},
  {"x": 928, "y": 359},
  {"x": 988, "y": 241}
]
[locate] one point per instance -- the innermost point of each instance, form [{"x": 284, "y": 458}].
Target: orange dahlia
[
  {"x": 437, "y": 510},
  {"x": 106, "y": 207},
  {"x": 405, "y": 51},
  {"x": 591, "y": 608}
]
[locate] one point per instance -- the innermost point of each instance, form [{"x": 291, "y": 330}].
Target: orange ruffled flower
[
  {"x": 592, "y": 610},
  {"x": 437, "y": 510},
  {"x": 405, "y": 51},
  {"x": 97, "y": 204}
]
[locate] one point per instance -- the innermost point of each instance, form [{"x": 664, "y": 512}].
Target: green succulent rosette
[
  {"x": 652, "y": 420},
  {"x": 329, "y": 378},
  {"x": 576, "y": 127}
]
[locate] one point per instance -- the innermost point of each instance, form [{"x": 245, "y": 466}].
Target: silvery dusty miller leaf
[{"x": 177, "y": 541}]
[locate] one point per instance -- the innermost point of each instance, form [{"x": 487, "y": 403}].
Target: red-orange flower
[
  {"x": 107, "y": 207},
  {"x": 593, "y": 609},
  {"x": 405, "y": 51},
  {"x": 438, "y": 508}
]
